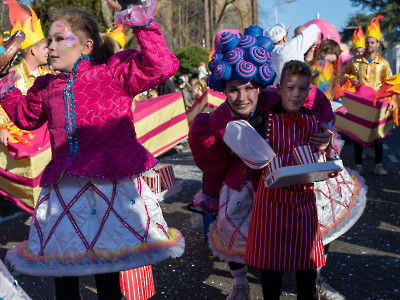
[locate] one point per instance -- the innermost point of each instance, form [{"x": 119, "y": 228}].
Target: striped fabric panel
[
  {"x": 284, "y": 232},
  {"x": 210, "y": 99},
  {"x": 161, "y": 123},
  {"x": 21, "y": 167},
  {"x": 137, "y": 284}
]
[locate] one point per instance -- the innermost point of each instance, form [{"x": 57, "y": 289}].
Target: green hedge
[{"x": 190, "y": 59}]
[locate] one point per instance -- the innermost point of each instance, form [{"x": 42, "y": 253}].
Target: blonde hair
[{"x": 329, "y": 47}]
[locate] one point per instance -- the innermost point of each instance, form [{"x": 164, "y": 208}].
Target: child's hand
[
  {"x": 320, "y": 140},
  {"x": 355, "y": 81},
  {"x": 114, "y": 5},
  {"x": 333, "y": 175},
  {"x": 134, "y": 13},
  {"x": 5, "y": 137},
  {"x": 391, "y": 106},
  {"x": 123, "y": 4}
]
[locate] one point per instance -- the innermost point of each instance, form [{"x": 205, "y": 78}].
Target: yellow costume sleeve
[{"x": 16, "y": 133}]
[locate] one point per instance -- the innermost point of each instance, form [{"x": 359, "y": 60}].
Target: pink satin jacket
[{"x": 89, "y": 112}]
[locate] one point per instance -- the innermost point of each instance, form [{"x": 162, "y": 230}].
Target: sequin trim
[
  {"x": 11, "y": 88},
  {"x": 134, "y": 173},
  {"x": 175, "y": 240},
  {"x": 143, "y": 26},
  {"x": 69, "y": 108}
]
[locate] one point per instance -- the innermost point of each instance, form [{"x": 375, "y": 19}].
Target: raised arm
[
  {"x": 306, "y": 38},
  {"x": 140, "y": 70}
]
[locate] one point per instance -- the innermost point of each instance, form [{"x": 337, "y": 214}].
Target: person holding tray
[
  {"x": 284, "y": 233},
  {"x": 229, "y": 185}
]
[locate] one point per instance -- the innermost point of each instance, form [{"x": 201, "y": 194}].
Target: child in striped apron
[{"x": 283, "y": 232}]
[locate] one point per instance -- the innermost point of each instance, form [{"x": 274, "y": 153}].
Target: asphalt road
[{"x": 364, "y": 263}]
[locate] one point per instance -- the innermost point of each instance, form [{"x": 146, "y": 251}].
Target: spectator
[
  {"x": 167, "y": 87},
  {"x": 202, "y": 71},
  {"x": 184, "y": 87},
  {"x": 294, "y": 49}
]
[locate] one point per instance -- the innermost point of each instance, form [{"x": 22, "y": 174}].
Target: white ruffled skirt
[
  {"x": 9, "y": 287},
  {"x": 84, "y": 226},
  {"x": 340, "y": 203},
  {"x": 228, "y": 234}
]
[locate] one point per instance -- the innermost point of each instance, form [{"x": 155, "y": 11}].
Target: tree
[
  {"x": 389, "y": 9},
  {"x": 232, "y": 14},
  {"x": 189, "y": 59},
  {"x": 183, "y": 22},
  {"x": 42, "y": 9}
]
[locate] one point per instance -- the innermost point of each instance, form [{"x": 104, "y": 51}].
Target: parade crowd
[{"x": 288, "y": 103}]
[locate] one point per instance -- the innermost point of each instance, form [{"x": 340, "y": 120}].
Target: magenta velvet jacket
[
  {"x": 89, "y": 112},
  {"x": 215, "y": 158}
]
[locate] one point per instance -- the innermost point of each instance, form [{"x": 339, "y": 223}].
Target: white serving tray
[
  {"x": 170, "y": 192},
  {"x": 301, "y": 174}
]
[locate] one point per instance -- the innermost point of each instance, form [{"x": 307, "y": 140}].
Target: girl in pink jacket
[{"x": 95, "y": 214}]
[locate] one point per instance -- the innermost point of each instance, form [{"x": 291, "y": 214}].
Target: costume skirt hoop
[
  {"x": 9, "y": 288},
  {"x": 228, "y": 234},
  {"x": 85, "y": 226},
  {"x": 340, "y": 203}
]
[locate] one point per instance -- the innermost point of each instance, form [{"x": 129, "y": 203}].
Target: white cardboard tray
[
  {"x": 170, "y": 192},
  {"x": 301, "y": 174}
]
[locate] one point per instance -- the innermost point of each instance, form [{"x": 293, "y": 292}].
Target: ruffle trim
[
  {"x": 354, "y": 212},
  {"x": 95, "y": 262},
  {"x": 221, "y": 251},
  {"x": 207, "y": 203}
]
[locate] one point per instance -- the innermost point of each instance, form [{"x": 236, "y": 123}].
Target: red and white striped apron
[
  {"x": 137, "y": 284},
  {"x": 284, "y": 232}
]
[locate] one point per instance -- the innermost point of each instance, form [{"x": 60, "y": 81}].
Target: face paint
[
  {"x": 64, "y": 46},
  {"x": 70, "y": 38}
]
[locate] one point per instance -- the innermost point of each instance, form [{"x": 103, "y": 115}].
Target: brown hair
[
  {"x": 110, "y": 47},
  {"x": 85, "y": 27},
  {"x": 329, "y": 47},
  {"x": 296, "y": 67}
]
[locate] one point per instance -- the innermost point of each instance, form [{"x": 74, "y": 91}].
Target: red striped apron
[
  {"x": 284, "y": 232},
  {"x": 137, "y": 284}
]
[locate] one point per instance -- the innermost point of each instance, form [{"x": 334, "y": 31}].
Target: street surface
[{"x": 364, "y": 263}]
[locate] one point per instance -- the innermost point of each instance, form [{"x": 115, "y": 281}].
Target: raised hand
[
  {"x": 122, "y": 4},
  {"x": 134, "y": 15},
  {"x": 114, "y": 5},
  {"x": 5, "y": 137}
]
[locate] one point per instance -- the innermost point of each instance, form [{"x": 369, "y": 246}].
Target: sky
[{"x": 299, "y": 12}]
